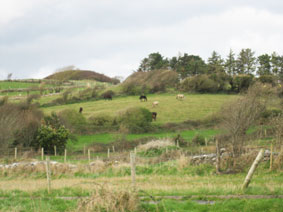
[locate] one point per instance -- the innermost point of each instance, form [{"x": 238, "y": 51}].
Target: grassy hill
[
  {"x": 193, "y": 107},
  {"x": 81, "y": 75}
]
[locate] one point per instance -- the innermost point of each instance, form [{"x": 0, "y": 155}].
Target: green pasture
[
  {"x": 105, "y": 138},
  {"x": 193, "y": 107}
]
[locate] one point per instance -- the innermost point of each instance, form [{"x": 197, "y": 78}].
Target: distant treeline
[
  {"x": 232, "y": 74},
  {"x": 189, "y": 65}
]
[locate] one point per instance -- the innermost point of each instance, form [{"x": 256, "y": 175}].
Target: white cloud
[{"x": 117, "y": 49}]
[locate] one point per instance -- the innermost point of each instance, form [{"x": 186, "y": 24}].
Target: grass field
[
  {"x": 111, "y": 137},
  {"x": 188, "y": 184},
  {"x": 193, "y": 107}
]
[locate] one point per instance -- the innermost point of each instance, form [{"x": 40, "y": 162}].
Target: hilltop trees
[{"x": 235, "y": 73}]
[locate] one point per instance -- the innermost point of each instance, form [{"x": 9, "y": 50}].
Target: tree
[
  {"x": 153, "y": 62},
  {"x": 230, "y": 64},
  {"x": 246, "y": 62},
  {"x": 239, "y": 115},
  {"x": 264, "y": 67},
  {"x": 277, "y": 64},
  {"x": 215, "y": 63},
  {"x": 188, "y": 65}
]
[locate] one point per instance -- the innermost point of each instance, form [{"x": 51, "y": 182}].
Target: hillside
[
  {"x": 81, "y": 75},
  {"x": 152, "y": 81},
  {"x": 193, "y": 107}
]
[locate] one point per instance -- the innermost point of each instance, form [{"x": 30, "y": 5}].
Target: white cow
[
  {"x": 155, "y": 103},
  {"x": 180, "y": 96}
]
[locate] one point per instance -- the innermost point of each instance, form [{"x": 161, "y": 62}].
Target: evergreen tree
[
  {"x": 246, "y": 62},
  {"x": 264, "y": 67},
  {"x": 215, "y": 63},
  {"x": 230, "y": 63}
]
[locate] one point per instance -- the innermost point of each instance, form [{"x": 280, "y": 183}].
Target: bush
[
  {"x": 242, "y": 82},
  {"x": 18, "y": 124},
  {"x": 103, "y": 120},
  {"x": 48, "y": 137},
  {"x": 271, "y": 79},
  {"x": 199, "y": 83},
  {"x": 135, "y": 120},
  {"x": 198, "y": 140},
  {"x": 73, "y": 120}
]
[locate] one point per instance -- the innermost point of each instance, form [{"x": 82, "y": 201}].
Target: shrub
[
  {"x": 267, "y": 79},
  {"x": 48, "y": 137},
  {"x": 73, "y": 120},
  {"x": 198, "y": 140},
  {"x": 135, "y": 120},
  {"x": 199, "y": 83},
  {"x": 18, "y": 124},
  {"x": 242, "y": 82},
  {"x": 101, "y": 120}
]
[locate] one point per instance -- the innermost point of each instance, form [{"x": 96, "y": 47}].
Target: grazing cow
[
  {"x": 153, "y": 116},
  {"x": 180, "y": 96},
  {"x": 143, "y": 98},
  {"x": 107, "y": 96},
  {"x": 81, "y": 110},
  {"x": 155, "y": 103}
]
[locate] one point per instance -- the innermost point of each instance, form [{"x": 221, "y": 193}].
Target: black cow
[
  {"x": 107, "y": 96},
  {"x": 81, "y": 110},
  {"x": 143, "y": 98},
  {"x": 153, "y": 116}
]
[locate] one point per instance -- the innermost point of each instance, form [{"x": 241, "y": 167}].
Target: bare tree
[{"x": 240, "y": 115}]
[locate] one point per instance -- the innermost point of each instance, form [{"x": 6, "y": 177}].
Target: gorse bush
[{"x": 135, "y": 120}]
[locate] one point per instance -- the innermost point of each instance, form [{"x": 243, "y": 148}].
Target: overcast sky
[{"x": 113, "y": 36}]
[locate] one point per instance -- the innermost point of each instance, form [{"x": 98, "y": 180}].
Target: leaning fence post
[
  {"x": 252, "y": 169},
  {"x": 16, "y": 152},
  {"x": 133, "y": 169},
  {"x": 65, "y": 156},
  {"x": 48, "y": 174},
  {"x": 42, "y": 153}
]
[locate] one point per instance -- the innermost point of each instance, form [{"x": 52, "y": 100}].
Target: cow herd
[{"x": 142, "y": 98}]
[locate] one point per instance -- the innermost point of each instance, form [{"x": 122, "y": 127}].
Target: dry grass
[
  {"x": 105, "y": 199},
  {"x": 156, "y": 144}
]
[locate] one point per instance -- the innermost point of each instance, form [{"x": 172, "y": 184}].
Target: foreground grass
[{"x": 193, "y": 107}]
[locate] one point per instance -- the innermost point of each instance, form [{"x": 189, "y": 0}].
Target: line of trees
[{"x": 190, "y": 65}]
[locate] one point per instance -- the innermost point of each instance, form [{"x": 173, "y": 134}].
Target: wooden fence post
[
  {"x": 205, "y": 141},
  {"x": 135, "y": 150},
  {"x": 65, "y": 156},
  {"x": 217, "y": 157},
  {"x": 113, "y": 148},
  {"x": 42, "y": 153},
  {"x": 16, "y": 153},
  {"x": 55, "y": 151},
  {"x": 271, "y": 157},
  {"x": 108, "y": 153},
  {"x": 48, "y": 174},
  {"x": 88, "y": 153},
  {"x": 252, "y": 169},
  {"x": 133, "y": 169}
]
